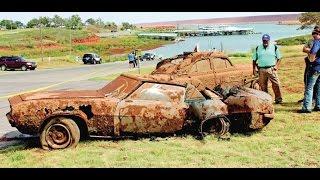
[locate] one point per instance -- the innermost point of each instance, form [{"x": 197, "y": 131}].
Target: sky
[{"x": 134, "y": 17}]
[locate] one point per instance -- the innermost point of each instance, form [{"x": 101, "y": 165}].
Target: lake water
[{"x": 232, "y": 43}]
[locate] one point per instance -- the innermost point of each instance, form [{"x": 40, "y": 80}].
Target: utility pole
[{"x": 41, "y": 42}]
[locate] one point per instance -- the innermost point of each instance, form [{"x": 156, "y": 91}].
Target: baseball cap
[
  {"x": 266, "y": 37},
  {"x": 315, "y": 32}
]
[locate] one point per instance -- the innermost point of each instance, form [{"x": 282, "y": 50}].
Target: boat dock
[
  {"x": 215, "y": 31},
  {"x": 202, "y": 31},
  {"x": 165, "y": 36}
]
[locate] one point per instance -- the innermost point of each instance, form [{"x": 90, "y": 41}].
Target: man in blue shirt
[
  {"x": 306, "y": 49},
  {"x": 131, "y": 59},
  {"x": 313, "y": 74},
  {"x": 266, "y": 59}
]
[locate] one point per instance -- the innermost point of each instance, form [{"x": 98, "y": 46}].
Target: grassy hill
[
  {"x": 56, "y": 43},
  {"x": 297, "y": 40}
]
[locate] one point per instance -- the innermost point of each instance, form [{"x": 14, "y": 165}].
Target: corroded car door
[{"x": 153, "y": 108}]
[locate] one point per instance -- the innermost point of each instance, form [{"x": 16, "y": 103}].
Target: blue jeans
[{"x": 313, "y": 83}]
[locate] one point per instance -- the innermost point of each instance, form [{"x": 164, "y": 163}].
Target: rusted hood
[{"x": 61, "y": 95}]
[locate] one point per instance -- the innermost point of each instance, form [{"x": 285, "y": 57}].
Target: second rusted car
[{"x": 211, "y": 68}]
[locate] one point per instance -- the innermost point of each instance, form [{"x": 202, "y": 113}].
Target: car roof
[{"x": 185, "y": 61}]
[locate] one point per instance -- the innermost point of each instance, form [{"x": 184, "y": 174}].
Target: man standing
[
  {"x": 306, "y": 49},
  {"x": 131, "y": 59},
  {"x": 266, "y": 59},
  {"x": 313, "y": 74}
]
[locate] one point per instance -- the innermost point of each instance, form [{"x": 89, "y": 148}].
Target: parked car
[
  {"x": 148, "y": 57},
  {"x": 211, "y": 68},
  {"x": 16, "y": 62},
  {"x": 131, "y": 106},
  {"x": 91, "y": 58}
]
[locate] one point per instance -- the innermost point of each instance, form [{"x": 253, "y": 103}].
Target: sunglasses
[{"x": 314, "y": 33}]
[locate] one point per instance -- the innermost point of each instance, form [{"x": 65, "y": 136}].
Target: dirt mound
[
  {"x": 5, "y": 48},
  {"x": 49, "y": 46},
  {"x": 117, "y": 50},
  {"x": 90, "y": 39}
]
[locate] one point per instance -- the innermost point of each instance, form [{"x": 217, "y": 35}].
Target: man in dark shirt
[
  {"x": 306, "y": 49},
  {"x": 313, "y": 76}
]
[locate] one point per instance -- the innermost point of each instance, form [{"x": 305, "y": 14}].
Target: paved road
[{"x": 15, "y": 82}]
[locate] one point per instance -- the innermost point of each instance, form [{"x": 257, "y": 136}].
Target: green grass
[
  {"x": 290, "y": 140},
  {"x": 297, "y": 40},
  {"x": 56, "y": 43}
]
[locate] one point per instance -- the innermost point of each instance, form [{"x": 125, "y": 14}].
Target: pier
[
  {"x": 215, "y": 31},
  {"x": 165, "y": 36}
]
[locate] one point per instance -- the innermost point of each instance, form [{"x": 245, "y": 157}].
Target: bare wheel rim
[
  {"x": 3, "y": 68},
  {"x": 220, "y": 126},
  {"x": 58, "y": 136},
  {"x": 23, "y": 68}
]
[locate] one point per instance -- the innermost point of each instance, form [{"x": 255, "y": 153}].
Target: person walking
[
  {"x": 313, "y": 77},
  {"x": 131, "y": 59},
  {"x": 266, "y": 60},
  {"x": 306, "y": 49}
]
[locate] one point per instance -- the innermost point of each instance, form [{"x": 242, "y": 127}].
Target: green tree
[
  {"x": 19, "y": 24},
  {"x": 90, "y": 21},
  {"x": 111, "y": 26},
  {"x": 33, "y": 23},
  {"x": 74, "y": 22},
  {"x": 126, "y": 25},
  {"x": 99, "y": 22},
  {"x": 309, "y": 19},
  {"x": 57, "y": 21},
  {"x": 45, "y": 21},
  {"x": 8, "y": 24}
]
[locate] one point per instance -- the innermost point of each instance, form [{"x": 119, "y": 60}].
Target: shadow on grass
[
  {"x": 34, "y": 142},
  {"x": 13, "y": 145},
  {"x": 292, "y": 107}
]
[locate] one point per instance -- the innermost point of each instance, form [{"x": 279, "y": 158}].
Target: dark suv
[
  {"x": 16, "y": 62},
  {"x": 91, "y": 58},
  {"x": 148, "y": 57}
]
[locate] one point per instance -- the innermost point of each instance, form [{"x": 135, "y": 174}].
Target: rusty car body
[
  {"x": 211, "y": 68},
  {"x": 131, "y": 105}
]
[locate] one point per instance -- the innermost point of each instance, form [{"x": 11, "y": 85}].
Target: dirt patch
[
  {"x": 49, "y": 46},
  {"x": 4, "y": 48},
  {"x": 117, "y": 50},
  {"x": 87, "y": 40}
]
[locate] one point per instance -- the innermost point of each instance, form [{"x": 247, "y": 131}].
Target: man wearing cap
[
  {"x": 313, "y": 76},
  {"x": 306, "y": 49},
  {"x": 266, "y": 59}
]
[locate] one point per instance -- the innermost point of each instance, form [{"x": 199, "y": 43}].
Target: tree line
[{"x": 73, "y": 22}]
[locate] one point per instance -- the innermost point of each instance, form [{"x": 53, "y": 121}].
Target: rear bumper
[{"x": 31, "y": 66}]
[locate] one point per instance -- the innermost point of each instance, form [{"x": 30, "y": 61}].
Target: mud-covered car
[
  {"x": 211, "y": 68},
  {"x": 131, "y": 106}
]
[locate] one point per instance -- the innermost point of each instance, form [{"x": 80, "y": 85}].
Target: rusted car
[
  {"x": 127, "y": 106},
  {"x": 211, "y": 68}
]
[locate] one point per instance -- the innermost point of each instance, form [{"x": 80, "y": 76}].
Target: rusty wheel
[
  {"x": 219, "y": 126},
  {"x": 255, "y": 85},
  {"x": 60, "y": 133}
]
